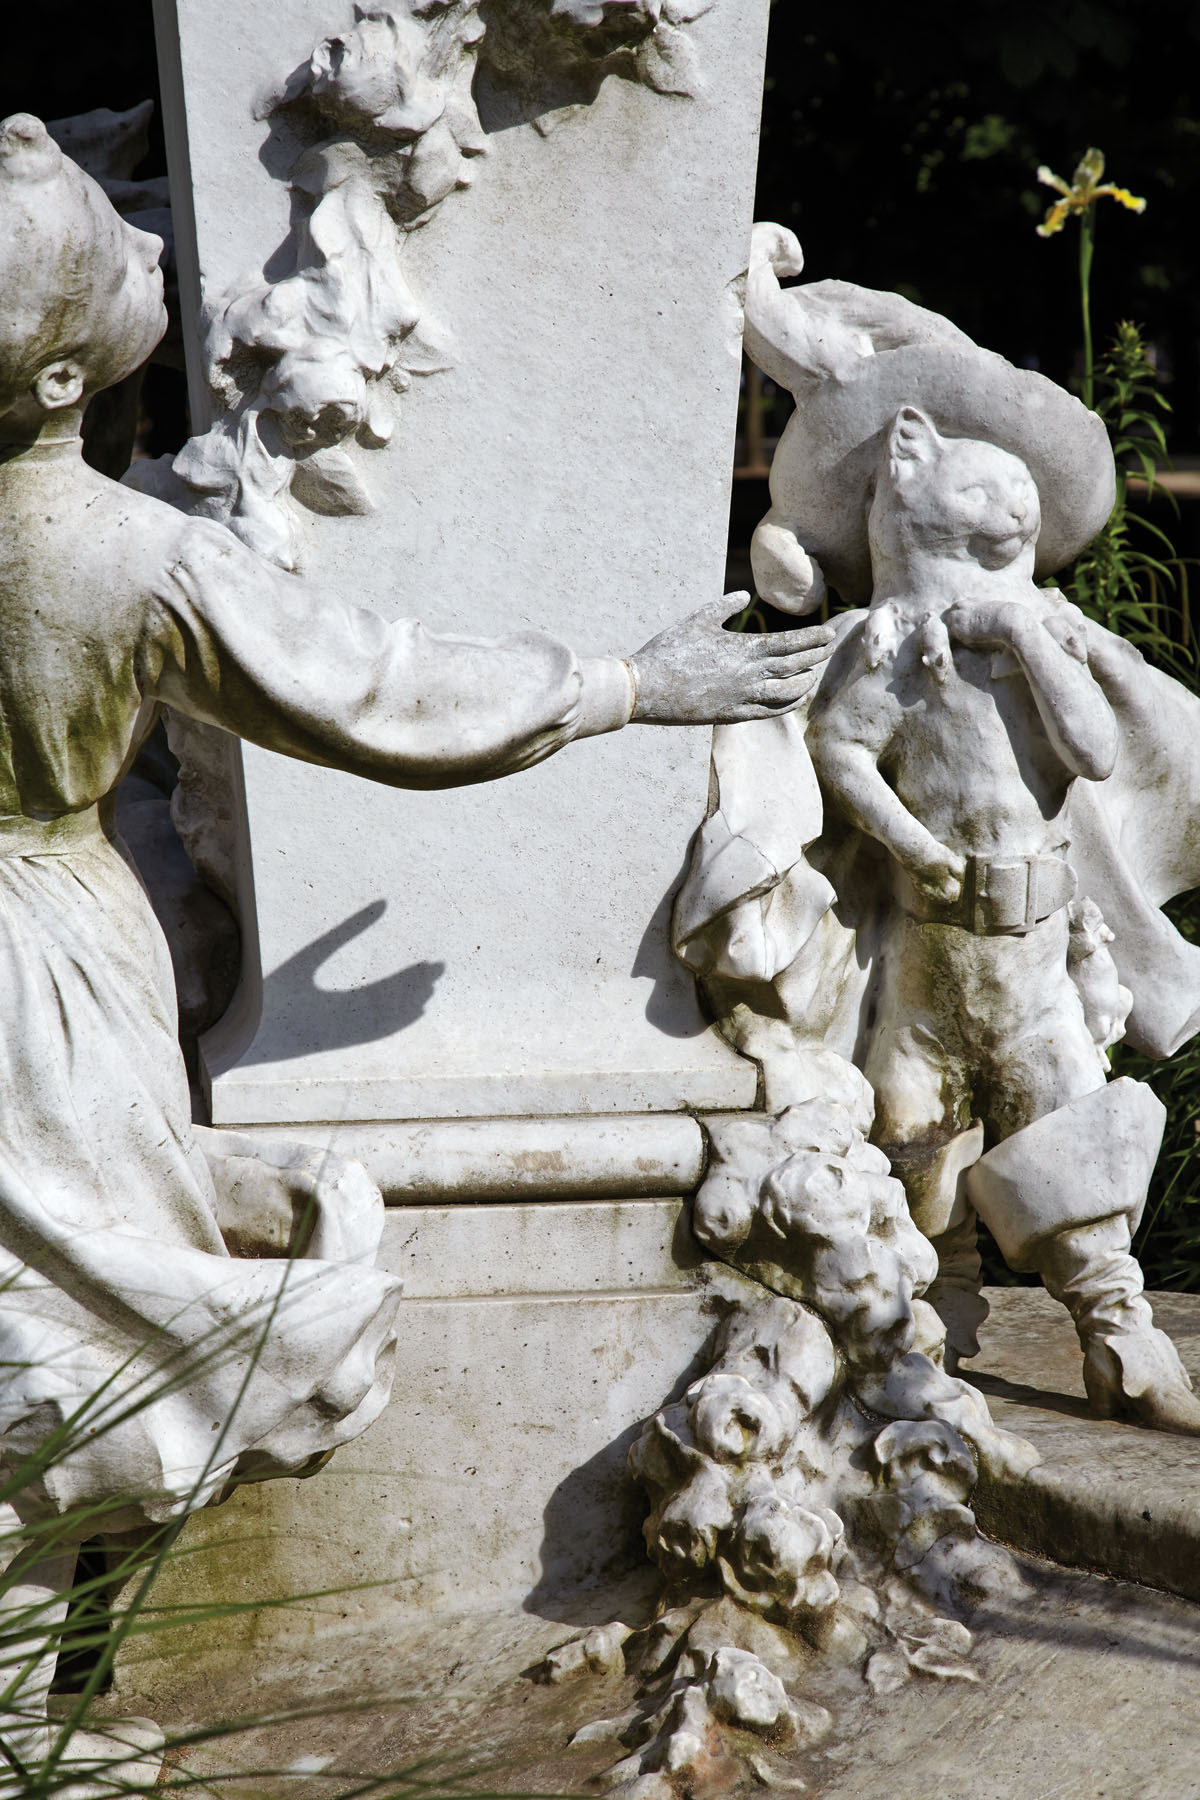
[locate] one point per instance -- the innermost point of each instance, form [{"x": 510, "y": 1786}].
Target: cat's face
[{"x": 954, "y": 497}]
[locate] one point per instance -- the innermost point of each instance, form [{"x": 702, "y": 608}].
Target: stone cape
[{"x": 145, "y": 1368}]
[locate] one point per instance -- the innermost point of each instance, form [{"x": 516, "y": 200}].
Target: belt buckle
[{"x": 986, "y": 898}]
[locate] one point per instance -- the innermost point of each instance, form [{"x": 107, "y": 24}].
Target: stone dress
[{"x": 140, "y": 1363}]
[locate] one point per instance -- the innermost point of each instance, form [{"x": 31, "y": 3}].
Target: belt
[
  {"x": 1001, "y": 895},
  {"x": 23, "y": 836}
]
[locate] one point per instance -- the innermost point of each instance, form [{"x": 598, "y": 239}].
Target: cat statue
[{"x": 957, "y": 719}]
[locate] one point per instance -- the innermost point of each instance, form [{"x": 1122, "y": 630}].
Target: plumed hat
[{"x": 853, "y": 358}]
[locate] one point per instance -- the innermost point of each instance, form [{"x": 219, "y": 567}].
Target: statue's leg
[
  {"x": 33, "y": 1606},
  {"x": 1082, "y": 1151},
  {"x": 1062, "y": 1196},
  {"x": 923, "y": 1107},
  {"x": 98, "y": 1759},
  {"x": 957, "y": 1294},
  {"x": 1130, "y": 1368}
]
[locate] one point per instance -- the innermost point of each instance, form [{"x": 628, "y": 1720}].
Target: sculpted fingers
[
  {"x": 780, "y": 667},
  {"x": 727, "y": 607},
  {"x": 780, "y": 694},
  {"x": 695, "y": 672},
  {"x": 808, "y": 637}
]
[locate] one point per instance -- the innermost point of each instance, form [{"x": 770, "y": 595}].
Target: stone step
[{"x": 1105, "y": 1496}]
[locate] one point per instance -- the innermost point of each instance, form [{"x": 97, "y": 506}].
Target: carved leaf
[
  {"x": 328, "y": 482},
  {"x": 668, "y": 62},
  {"x": 427, "y": 350}
]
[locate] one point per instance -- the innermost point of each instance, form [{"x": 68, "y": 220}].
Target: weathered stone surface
[
  {"x": 474, "y": 956},
  {"x": 1087, "y": 1690},
  {"x": 534, "y": 1341},
  {"x": 614, "y": 1156}
]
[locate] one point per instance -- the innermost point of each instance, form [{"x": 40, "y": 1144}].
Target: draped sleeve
[{"x": 239, "y": 644}]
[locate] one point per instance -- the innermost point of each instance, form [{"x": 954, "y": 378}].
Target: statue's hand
[
  {"x": 696, "y": 673},
  {"x": 989, "y": 624},
  {"x": 939, "y": 873}
]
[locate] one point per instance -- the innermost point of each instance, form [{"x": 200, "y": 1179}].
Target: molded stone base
[
  {"x": 488, "y": 1516},
  {"x": 535, "y": 1340}
]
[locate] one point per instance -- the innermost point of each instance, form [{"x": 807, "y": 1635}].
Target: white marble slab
[{"x": 500, "y": 950}]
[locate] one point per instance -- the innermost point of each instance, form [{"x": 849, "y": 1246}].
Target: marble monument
[{"x": 444, "y": 358}]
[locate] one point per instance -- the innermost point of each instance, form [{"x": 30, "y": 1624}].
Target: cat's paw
[
  {"x": 989, "y": 624},
  {"x": 1068, "y": 627},
  {"x": 939, "y": 876}
]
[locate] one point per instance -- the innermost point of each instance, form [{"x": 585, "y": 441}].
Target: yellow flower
[{"x": 1082, "y": 192}]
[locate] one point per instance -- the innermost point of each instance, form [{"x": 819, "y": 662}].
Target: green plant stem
[{"x": 1086, "y": 245}]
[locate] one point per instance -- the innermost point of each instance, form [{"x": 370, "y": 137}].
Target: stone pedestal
[
  {"x": 534, "y": 1341},
  {"x": 500, "y": 951},
  {"x": 505, "y": 1449}
]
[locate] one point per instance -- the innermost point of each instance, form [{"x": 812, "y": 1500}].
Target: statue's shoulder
[{"x": 95, "y": 543}]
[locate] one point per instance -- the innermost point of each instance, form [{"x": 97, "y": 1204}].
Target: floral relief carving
[
  {"x": 583, "y": 41},
  {"x": 809, "y": 1494},
  {"x": 307, "y": 367}
]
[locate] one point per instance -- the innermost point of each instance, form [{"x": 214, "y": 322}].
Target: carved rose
[
  {"x": 685, "y": 1534},
  {"x": 734, "y": 1420},
  {"x": 743, "y": 1691},
  {"x": 780, "y": 1558},
  {"x": 393, "y": 71}
]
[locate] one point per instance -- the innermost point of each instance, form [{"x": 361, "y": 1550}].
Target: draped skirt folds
[{"x": 142, "y": 1368}]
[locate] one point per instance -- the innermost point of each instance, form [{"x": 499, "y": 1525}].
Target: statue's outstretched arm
[{"x": 239, "y": 644}]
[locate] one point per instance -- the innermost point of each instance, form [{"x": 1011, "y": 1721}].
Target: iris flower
[{"x": 1080, "y": 194}]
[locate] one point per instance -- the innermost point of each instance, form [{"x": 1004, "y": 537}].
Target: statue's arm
[
  {"x": 1053, "y": 652},
  {"x": 848, "y": 735},
  {"x": 242, "y": 645}
]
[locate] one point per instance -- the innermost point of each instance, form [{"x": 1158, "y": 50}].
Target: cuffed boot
[
  {"x": 1131, "y": 1370},
  {"x": 1062, "y": 1196}
]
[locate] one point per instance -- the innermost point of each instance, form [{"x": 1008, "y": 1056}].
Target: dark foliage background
[{"x": 901, "y": 145}]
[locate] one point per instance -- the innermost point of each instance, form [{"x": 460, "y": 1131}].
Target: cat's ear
[{"x": 914, "y": 438}]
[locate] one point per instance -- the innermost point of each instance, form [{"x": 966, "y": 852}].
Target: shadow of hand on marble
[{"x": 329, "y": 1018}]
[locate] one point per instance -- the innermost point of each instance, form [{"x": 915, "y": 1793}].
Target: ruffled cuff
[{"x": 606, "y": 702}]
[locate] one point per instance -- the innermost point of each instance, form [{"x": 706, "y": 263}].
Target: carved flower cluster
[
  {"x": 805, "y": 1204},
  {"x": 755, "y": 1475},
  {"x": 678, "y": 1742},
  {"x": 642, "y": 40},
  {"x": 731, "y": 1469},
  {"x": 315, "y": 357}
]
